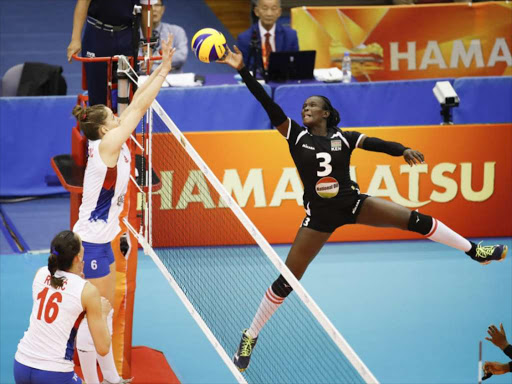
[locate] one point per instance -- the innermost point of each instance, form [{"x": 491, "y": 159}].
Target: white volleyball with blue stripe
[{"x": 209, "y": 45}]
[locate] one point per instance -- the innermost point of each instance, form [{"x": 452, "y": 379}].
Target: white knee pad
[{"x": 84, "y": 340}]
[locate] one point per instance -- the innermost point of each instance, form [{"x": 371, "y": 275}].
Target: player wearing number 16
[
  {"x": 61, "y": 299},
  {"x": 321, "y": 152}
]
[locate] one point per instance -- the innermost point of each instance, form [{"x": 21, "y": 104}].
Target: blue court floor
[{"x": 414, "y": 311}]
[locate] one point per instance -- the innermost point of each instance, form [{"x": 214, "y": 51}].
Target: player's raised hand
[
  {"x": 412, "y": 157},
  {"x": 168, "y": 51},
  {"x": 498, "y": 337},
  {"x": 233, "y": 59}
]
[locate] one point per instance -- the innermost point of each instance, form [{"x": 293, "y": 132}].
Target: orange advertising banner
[
  {"x": 410, "y": 42},
  {"x": 466, "y": 182}
]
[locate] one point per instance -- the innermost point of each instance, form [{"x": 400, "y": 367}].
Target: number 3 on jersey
[
  {"x": 52, "y": 308},
  {"x": 325, "y": 163}
]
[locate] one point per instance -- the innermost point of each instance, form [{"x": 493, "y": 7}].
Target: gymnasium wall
[{"x": 33, "y": 129}]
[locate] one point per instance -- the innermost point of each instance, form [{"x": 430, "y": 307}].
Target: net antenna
[
  {"x": 199, "y": 290},
  {"x": 479, "y": 377}
]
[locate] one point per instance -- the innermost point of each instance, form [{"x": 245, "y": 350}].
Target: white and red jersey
[
  {"x": 49, "y": 342},
  {"x": 103, "y": 196}
]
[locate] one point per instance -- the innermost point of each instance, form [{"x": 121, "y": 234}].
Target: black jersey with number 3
[{"x": 323, "y": 162}]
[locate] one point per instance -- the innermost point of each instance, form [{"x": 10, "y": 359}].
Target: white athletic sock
[
  {"x": 107, "y": 364},
  {"x": 87, "y": 353},
  {"x": 88, "y": 366},
  {"x": 268, "y": 306},
  {"x": 444, "y": 235}
]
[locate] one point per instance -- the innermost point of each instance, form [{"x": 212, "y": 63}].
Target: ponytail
[{"x": 53, "y": 265}]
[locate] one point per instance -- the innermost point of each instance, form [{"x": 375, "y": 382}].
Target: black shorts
[{"x": 332, "y": 215}]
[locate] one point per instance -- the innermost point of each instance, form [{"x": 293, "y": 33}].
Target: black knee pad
[
  {"x": 420, "y": 223},
  {"x": 281, "y": 287}
]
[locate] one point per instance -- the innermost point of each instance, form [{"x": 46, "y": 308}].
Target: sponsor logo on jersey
[
  {"x": 120, "y": 200},
  {"x": 308, "y": 147},
  {"x": 335, "y": 145},
  {"x": 327, "y": 187}
]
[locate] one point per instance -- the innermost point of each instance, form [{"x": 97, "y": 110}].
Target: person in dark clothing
[
  {"x": 321, "y": 152},
  {"x": 266, "y": 36},
  {"x": 108, "y": 32}
]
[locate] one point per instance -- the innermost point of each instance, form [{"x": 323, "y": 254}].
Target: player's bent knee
[
  {"x": 84, "y": 341},
  {"x": 281, "y": 287},
  {"x": 420, "y": 223}
]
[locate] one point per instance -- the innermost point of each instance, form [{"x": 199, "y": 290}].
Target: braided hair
[
  {"x": 90, "y": 119},
  {"x": 64, "y": 247},
  {"x": 334, "y": 117}
]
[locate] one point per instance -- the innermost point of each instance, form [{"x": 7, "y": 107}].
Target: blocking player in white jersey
[
  {"x": 321, "y": 152},
  {"x": 105, "y": 183},
  {"x": 61, "y": 299}
]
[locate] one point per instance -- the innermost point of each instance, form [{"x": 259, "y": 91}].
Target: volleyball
[{"x": 209, "y": 45}]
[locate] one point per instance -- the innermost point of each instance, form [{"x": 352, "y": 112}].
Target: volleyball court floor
[{"x": 414, "y": 311}]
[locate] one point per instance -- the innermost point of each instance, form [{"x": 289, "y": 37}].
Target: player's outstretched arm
[
  {"x": 162, "y": 71},
  {"x": 391, "y": 148},
  {"x": 97, "y": 309},
  {"x": 114, "y": 139},
  {"x": 274, "y": 111}
]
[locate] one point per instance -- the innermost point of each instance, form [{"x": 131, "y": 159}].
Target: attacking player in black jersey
[{"x": 321, "y": 152}]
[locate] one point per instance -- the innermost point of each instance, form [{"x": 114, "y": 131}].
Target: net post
[
  {"x": 480, "y": 362},
  {"x": 150, "y": 177}
]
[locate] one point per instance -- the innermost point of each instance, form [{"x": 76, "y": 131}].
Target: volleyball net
[{"x": 220, "y": 266}]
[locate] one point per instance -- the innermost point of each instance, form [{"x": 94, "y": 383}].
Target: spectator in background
[
  {"x": 108, "y": 32},
  {"x": 161, "y": 31},
  {"x": 499, "y": 339},
  {"x": 266, "y": 35}
]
